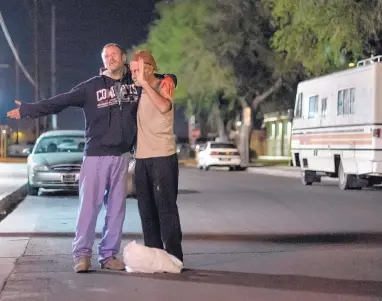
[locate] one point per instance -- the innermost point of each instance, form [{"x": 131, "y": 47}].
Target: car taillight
[
  {"x": 214, "y": 153},
  {"x": 376, "y": 133}
]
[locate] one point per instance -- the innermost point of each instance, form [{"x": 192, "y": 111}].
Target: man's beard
[{"x": 117, "y": 71}]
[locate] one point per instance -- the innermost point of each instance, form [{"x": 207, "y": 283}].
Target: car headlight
[{"x": 40, "y": 168}]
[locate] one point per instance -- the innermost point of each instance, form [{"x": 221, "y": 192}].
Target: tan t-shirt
[{"x": 155, "y": 130}]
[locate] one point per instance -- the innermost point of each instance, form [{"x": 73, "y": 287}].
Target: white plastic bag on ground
[{"x": 139, "y": 258}]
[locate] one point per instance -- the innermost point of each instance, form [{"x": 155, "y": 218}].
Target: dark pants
[{"x": 157, "y": 192}]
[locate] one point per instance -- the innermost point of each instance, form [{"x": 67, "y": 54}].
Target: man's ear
[
  {"x": 124, "y": 58},
  {"x": 152, "y": 70}
]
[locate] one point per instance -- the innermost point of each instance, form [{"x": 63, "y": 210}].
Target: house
[{"x": 278, "y": 127}]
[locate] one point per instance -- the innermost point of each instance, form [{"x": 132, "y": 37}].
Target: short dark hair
[{"x": 115, "y": 45}]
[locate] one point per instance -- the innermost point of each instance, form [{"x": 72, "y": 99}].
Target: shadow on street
[{"x": 270, "y": 281}]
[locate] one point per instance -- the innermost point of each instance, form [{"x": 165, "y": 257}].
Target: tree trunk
[
  {"x": 262, "y": 97},
  {"x": 219, "y": 122},
  {"x": 246, "y": 133},
  {"x": 229, "y": 127}
]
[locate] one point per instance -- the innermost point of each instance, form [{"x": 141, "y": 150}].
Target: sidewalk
[
  {"x": 223, "y": 271},
  {"x": 274, "y": 170}
]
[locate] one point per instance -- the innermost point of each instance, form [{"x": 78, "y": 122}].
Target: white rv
[{"x": 337, "y": 126}]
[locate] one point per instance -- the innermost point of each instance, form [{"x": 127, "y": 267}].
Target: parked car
[
  {"x": 131, "y": 180},
  {"x": 218, "y": 154},
  {"x": 55, "y": 161},
  {"x": 20, "y": 149}
]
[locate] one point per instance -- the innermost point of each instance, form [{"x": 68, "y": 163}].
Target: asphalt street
[
  {"x": 246, "y": 237},
  {"x": 12, "y": 175}
]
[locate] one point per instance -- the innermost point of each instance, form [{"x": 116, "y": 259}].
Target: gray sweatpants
[{"x": 103, "y": 180}]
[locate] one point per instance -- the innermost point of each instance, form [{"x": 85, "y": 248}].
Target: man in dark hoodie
[{"x": 109, "y": 102}]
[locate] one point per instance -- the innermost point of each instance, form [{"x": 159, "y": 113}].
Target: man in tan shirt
[{"x": 156, "y": 169}]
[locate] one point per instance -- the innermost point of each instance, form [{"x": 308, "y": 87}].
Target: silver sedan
[{"x": 55, "y": 161}]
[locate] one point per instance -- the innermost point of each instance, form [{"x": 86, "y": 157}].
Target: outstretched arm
[{"x": 54, "y": 105}]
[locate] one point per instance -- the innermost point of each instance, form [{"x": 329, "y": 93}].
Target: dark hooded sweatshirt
[{"x": 110, "y": 110}]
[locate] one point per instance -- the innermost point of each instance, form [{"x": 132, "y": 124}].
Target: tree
[
  {"x": 326, "y": 35},
  {"x": 176, "y": 39},
  {"x": 239, "y": 33}
]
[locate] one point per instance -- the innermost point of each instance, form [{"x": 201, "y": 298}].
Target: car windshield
[
  {"x": 222, "y": 145},
  {"x": 60, "y": 144}
]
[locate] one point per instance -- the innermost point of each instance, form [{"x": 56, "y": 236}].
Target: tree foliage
[
  {"x": 177, "y": 41},
  {"x": 326, "y": 35},
  {"x": 239, "y": 33}
]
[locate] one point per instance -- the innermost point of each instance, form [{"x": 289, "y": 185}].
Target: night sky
[{"x": 83, "y": 27}]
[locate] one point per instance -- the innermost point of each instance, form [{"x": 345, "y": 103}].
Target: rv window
[
  {"x": 324, "y": 107},
  {"x": 340, "y": 104},
  {"x": 346, "y": 102},
  {"x": 352, "y": 100},
  {"x": 298, "y": 109},
  {"x": 313, "y": 106}
]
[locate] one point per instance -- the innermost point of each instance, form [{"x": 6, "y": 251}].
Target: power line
[{"x": 14, "y": 51}]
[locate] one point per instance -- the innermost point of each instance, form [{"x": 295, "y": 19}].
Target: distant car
[
  {"x": 55, "y": 161},
  {"x": 199, "y": 143},
  {"x": 131, "y": 193},
  {"x": 218, "y": 154},
  {"x": 19, "y": 150}
]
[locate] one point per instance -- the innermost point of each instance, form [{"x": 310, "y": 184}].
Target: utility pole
[
  {"x": 36, "y": 61},
  {"x": 3, "y": 128},
  {"x": 17, "y": 94},
  {"x": 53, "y": 63}
]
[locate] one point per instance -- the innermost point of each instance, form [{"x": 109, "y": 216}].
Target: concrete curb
[
  {"x": 284, "y": 172},
  {"x": 259, "y": 169},
  {"x": 275, "y": 172},
  {"x": 11, "y": 199}
]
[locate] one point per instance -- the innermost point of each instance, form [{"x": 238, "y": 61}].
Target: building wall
[
  {"x": 258, "y": 143},
  {"x": 278, "y": 134}
]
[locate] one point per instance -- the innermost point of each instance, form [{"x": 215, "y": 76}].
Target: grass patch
[{"x": 265, "y": 162}]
